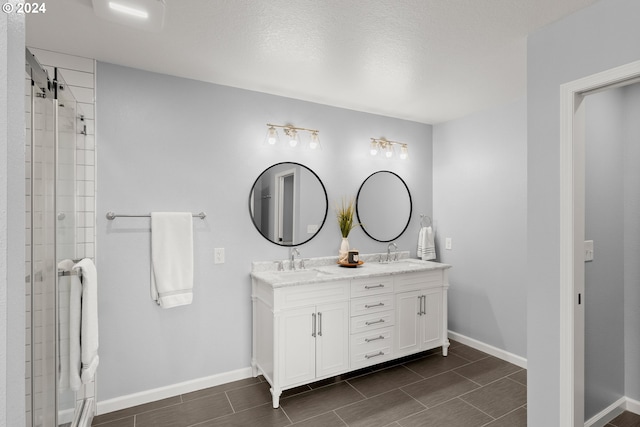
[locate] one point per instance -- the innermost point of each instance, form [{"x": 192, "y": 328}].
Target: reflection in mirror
[
  {"x": 383, "y": 206},
  {"x": 288, "y": 204}
]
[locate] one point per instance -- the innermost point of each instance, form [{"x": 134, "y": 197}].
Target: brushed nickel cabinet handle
[
  {"x": 374, "y": 339},
  {"x": 313, "y": 325},
  {"x": 380, "y": 304},
  {"x": 373, "y": 323},
  {"x": 373, "y": 287},
  {"x": 369, "y": 356},
  {"x": 319, "y": 324}
]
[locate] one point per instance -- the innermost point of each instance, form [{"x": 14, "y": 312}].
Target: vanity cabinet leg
[
  {"x": 275, "y": 394},
  {"x": 445, "y": 347}
]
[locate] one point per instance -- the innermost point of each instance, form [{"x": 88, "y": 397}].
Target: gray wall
[
  {"x": 604, "y": 276},
  {"x": 480, "y": 178},
  {"x": 594, "y": 39},
  {"x": 167, "y": 143},
  {"x": 631, "y": 136},
  {"x": 12, "y": 222}
]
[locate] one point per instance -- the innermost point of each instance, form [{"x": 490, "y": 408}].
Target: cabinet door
[
  {"x": 296, "y": 360},
  {"x": 431, "y": 335},
  {"x": 332, "y": 342},
  {"x": 408, "y": 322}
]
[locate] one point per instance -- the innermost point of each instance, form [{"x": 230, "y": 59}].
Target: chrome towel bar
[{"x": 112, "y": 215}]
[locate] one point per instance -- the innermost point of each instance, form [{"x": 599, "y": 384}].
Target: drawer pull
[
  {"x": 370, "y": 356},
  {"x": 373, "y": 287},
  {"x": 374, "y": 322},
  {"x": 380, "y": 304},
  {"x": 374, "y": 339}
]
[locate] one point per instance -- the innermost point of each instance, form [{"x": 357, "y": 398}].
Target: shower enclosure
[{"x": 52, "y": 129}]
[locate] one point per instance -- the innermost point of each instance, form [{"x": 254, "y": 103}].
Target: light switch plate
[
  {"x": 588, "y": 250},
  {"x": 447, "y": 243},
  {"x": 218, "y": 256}
]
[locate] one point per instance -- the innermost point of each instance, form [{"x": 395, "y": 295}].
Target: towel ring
[{"x": 422, "y": 218}]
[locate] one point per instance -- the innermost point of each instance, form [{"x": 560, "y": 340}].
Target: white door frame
[
  {"x": 572, "y": 214},
  {"x": 278, "y": 207}
]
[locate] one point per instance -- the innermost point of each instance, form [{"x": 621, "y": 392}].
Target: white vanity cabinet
[
  {"x": 311, "y": 329},
  {"x": 301, "y": 333},
  {"x": 421, "y": 303}
]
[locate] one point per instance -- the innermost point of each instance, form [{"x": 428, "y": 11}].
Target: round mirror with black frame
[
  {"x": 383, "y": 206},
  {"x": 288, "y": 204}
]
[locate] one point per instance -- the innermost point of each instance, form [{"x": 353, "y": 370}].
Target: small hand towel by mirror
[
  {"x": 171, "y": 258},
  {"x": 88, "y": 320},
  {"x": 427, "y": 244}
]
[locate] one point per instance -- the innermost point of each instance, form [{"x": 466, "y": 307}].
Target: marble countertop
[{"x": 318, "y": 270}]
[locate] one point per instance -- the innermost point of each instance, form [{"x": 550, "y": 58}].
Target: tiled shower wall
[{"x": 79, "y": 74}]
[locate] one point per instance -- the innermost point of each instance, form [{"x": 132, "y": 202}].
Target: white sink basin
[{"x": 298, "y": 275}]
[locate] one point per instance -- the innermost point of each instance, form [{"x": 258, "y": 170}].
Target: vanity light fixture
[
  {"x": 293, "y": 137},
  {"x": 382, "y": 145}
]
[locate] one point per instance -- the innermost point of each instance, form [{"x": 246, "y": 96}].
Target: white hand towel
[
  {"x": 89, "y": 323},
  {"x": 172, "y": 258},
  {"x": 64, "y": 345},
  {"x": 429, "y": 246},
  {"x": 421, "y": 242}
]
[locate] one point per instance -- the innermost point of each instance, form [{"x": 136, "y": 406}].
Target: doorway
[{"x": 572, "y": 233}]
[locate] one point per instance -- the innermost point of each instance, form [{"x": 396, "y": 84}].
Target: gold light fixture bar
[
  {"x": 292, "y": 133},
  {"x": 387, "y": 147}
]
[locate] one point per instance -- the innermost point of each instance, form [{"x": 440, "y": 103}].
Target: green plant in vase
[{"x": 344, "y": 214}]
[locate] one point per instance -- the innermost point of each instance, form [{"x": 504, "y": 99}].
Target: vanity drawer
[
  {"x": 369, "y": 348},
  {"x": 421, "y": 280},
  {"x": 371, "y": 286},
  {"x": 368, "y": 322},
  {"x": 311, "y": 294},
  {"x": 372, "y": 304}
]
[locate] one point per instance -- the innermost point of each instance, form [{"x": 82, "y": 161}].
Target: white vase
[{"x": 343, "y": 253}]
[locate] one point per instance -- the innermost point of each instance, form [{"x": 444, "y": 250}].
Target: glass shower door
[{"x": 65, "y": 237}]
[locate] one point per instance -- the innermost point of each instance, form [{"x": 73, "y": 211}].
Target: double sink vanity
[{"x": 325, "y": 320}]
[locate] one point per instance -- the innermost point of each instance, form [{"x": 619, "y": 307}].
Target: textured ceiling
[{"x": 422, "y": 60}]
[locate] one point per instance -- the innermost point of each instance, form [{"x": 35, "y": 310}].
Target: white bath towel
[
  {"x": 89, "y": 320},
  {"x": 65, "y": 284},
  {"x": 428, "y": 244},
  {"x": 172, "y": 258}
]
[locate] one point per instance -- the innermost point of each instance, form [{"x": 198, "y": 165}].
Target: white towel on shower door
[
  {"x": 172, "y": 258},
  {"x": 88, "y": 320}
]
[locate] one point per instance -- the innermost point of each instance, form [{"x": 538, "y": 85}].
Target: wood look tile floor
[{"x": 467, "y": 388}]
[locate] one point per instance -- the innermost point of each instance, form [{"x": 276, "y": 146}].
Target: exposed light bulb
[
  {"x": 293, "y": 137},
  {"x": 404, "y": 152},
  {"x": 273, "y": 136},
  {"x": 314, "y": 142},
  {"x": 388, "y": 151},
  {"x": 373, "y": 149}
]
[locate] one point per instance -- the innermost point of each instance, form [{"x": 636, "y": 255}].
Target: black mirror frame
[
  {"x": 326, "y": 199},
  {"x": 410, "y": 207}
]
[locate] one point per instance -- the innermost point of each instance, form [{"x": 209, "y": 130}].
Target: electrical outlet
[
  {"x": 218, "y": 256},
  {"x": 447, "y": 243}
]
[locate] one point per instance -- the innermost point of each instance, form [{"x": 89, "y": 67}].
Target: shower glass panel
[
  {"x": 51, "y": 237},
  {"x": 65, "y": 236},
  {"x": 43, "y": 267}
]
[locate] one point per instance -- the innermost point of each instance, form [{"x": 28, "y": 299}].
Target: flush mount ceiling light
[
  {"x": 381, "y": 145},
  {"x": 142, "y": 14},
  {"x": 292, "y": 137}
]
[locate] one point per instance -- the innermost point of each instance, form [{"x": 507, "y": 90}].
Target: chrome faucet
[
  {"x": 293, "y": 253},
  {"x": 395, "y": 251}
]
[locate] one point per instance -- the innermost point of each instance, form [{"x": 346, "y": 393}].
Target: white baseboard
[
  {"x": 607, "y": 414},
  {"x": 489, "y": 349},
  {"x": 632, "y": 406},
  {"x": 152, "y": 395}
]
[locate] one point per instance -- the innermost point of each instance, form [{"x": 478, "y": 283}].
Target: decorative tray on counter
[{"x": 353, "y": 265}]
